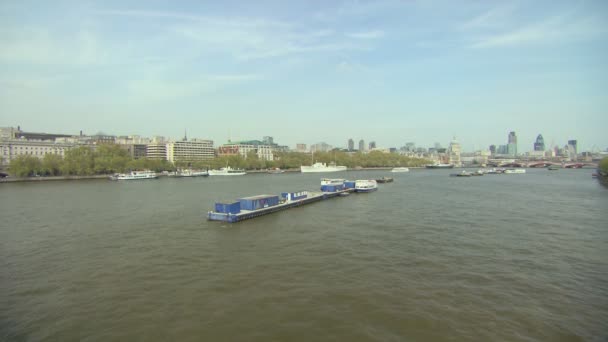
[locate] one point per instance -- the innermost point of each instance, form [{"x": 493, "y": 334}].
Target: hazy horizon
[{"x": 307, "y": 72}]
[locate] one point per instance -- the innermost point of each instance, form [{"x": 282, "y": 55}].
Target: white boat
[
  {"x": 400, "y": 169},
  {"x": 332, "y": 181},
  {"x": 322, "y": 167},
  {"x": 515, "y": 171},
  {"x": 227, "y": 171},
  {"x": 134, "y": 175},
  {"x": 190, "y": 173},
  {"x": 440, "y": 166},
  {"x": 366, "y": 185},
  {"x": 275, "y": 171}
]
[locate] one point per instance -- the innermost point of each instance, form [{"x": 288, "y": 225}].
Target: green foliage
[
  {"x": 25, "y": 166},
  {"x": 52, "y": 164},
  {"x": 110, "y": 158},
  {"x": 79, "y": 161},
  {"x": 603, "y": 165}
]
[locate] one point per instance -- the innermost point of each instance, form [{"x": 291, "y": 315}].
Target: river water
[{"x": 428, "y": 257}]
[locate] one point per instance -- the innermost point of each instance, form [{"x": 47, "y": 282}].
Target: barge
[{"x": 250, "y": 207}]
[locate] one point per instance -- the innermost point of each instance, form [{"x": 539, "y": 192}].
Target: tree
[
  {"x": 110, "y": 158},
  {"x": 79, "y": 161},
  {"x": 25, "y": 166},
  {"x": 603, "y": 165},
  {"x": 52, "y": 165}
]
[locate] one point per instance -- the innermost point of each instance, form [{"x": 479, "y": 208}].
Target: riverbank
[{"x": 49, "y": 178}]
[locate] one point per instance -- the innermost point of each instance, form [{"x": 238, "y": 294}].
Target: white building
[
  {"x": 12, "y": 148},
  {"x": 454, "y": 153},
  {"x": 264, "y": 152},
  {"x": 191, "y": 150}
]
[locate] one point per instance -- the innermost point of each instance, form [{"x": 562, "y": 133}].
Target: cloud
[
  {"x": 41, "y": 46},
  {"x": 493, "y": 18},
  {"x": 560, "y": 28},
  {"x": 373, "y": 34}
]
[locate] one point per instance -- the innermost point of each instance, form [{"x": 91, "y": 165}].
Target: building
[
  {"x": 351, "y": 145},
  {"x": 301, "y": 148},
  {"x": 243, "y": 148},
  {"x": 361, "y": 145},
  {"x": 512, "y": 144},
  {"x": 320, "y": 147},
  {"x": 13, "y": 148},
  {"x": 268, "y": 140},
  {"x": 372, "y": 145},
  {"x": 539, "y": 145},
  {"x": 572, "y": 146},
  {"x": 492, "y": 149},
  {"x": 454, "y": 152},
  {"x": 156, "y": 150},
  {"x": 571, "y": 150},
  {"x": 190, "y": 150},
  {"x": 15, "y": 143}
]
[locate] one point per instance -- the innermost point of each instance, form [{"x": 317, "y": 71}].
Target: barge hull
[{"x": 246, "y": 214}]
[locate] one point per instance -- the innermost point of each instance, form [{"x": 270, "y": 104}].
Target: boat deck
[{"x": 249, "y": 214}]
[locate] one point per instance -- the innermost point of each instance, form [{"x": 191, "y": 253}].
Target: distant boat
[
  {"x": 463, "y": 173},
  {"x": 332, "y": 181},
  {"x": 384, "y": 180},
  {"x": 227, "y": 171},
  {"x": 400, "y": 169},
  {"x": 553, "y": 168},
  {"x": 322, "y": 167},
  {"x": 440, "y": 166},
  {"x": 135, "y": 175},
  {"x": 190, "y": 173},
  {"x": 276, "y": 170},
  {"x": 515, "y": 171},
  {"x": 366, "y": 185}
]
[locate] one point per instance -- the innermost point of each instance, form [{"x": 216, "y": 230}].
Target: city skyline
[{"x": 389, "y": 71}]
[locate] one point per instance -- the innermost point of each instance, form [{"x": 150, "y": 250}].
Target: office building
[
  {"x": 243, "y": 148},
  {"x": 301, "y": 148},
  {"x": 539, "y": 145},
  {"x": 512, "y": 144},
  {"x": 361, "y": 145},
  {"x": 190, "y": 150},
  {"x": 372, "y": 145},
  {"x": 454, "y": 152},
  {"x": 351, "y": 145}
]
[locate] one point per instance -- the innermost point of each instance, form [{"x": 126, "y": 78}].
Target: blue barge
[{"x": 254, "y": 206}]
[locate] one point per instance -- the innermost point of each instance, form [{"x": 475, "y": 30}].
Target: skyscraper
[
  {"x": 539, "y": 145},
  {"x": 351, "y": 144},
  {"x": 572, "y": 150},
  {"x": 372, "y": 145},
  {"x": 512, "y": 144},
  {"x": 572, "y": 146},
  {"x": 454, "y": 152},
  {"x": 361, "y": 145}
]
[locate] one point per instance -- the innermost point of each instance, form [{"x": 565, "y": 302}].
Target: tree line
[{"x": 110, "y": 158}]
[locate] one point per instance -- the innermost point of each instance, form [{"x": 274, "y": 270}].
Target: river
[{"x": 428, "y": 257}]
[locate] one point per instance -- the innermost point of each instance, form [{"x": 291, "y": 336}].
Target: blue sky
[{"x": 310, "y": 71}]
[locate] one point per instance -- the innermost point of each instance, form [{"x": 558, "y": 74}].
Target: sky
[{"x": 310, "y": 71}]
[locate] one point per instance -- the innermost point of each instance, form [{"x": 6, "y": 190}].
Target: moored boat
[
  {"x": 515, "y": 171},
  {"x": 322, "y": 167},
  {"x": 135, "y": 175},
  {"x": 366, "y": 185},
  {"x": 227, "y": 171},
  {"x": 463, "y": 173},
  {"x": 275, "y": 170},
  {"x": 440, "y": 166},
  {"x": 190, "y": 173},
  {"x": 384, "y": 180},
  {"x": 400, "y": 169}
]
